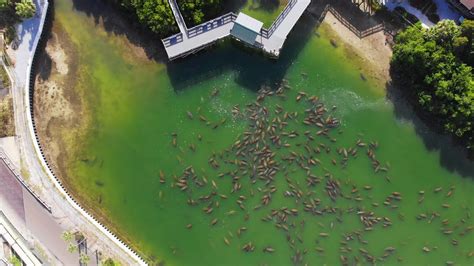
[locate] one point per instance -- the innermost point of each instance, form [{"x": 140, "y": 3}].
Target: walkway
[
  {"x": 270, "y": 40},
  {"x": 282, "y": 26}
]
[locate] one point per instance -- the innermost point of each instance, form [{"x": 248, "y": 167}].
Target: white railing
[
  {"x": 268, "y": 33},
  {"x": 211, "y": 24}
]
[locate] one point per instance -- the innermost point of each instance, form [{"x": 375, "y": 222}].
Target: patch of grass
[
  {"x": 10, "y": 34},
  {"x": 5, "y": 79},
  {"x": 25, "y": 174},
  {"x": 6, "y": 117}
]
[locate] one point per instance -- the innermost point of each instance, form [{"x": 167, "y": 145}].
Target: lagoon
[{"x": 115, "y": 164}]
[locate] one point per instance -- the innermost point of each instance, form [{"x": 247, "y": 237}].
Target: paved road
[{"x": 63, "y": 212}]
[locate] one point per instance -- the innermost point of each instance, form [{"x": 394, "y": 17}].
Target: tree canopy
[
  {"x": 158, "y": 17},
  {"x": 435, "y": 66},
  {"x": 11, "y": 11},
  {"x": 198, "y": 11},
  {"x": 155, "y": 14},
  {"x": 25, "y": 9}
]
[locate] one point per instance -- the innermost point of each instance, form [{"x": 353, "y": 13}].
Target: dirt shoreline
[{"x": 370, "y": 54}]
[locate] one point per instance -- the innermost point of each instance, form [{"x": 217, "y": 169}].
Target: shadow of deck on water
[{"x": 254, "y": 69}]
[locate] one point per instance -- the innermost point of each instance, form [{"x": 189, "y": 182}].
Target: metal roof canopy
[
  {"x": 246, "y": 28},
  {"x": 248, "y": 22}
]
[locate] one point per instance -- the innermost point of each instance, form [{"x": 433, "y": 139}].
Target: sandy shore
[{"x": 372, "y": 54}]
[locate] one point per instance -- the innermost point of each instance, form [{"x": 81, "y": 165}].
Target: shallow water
[
  {"x": 139, "y": 105},
  {"x": 265, "y": 13}
]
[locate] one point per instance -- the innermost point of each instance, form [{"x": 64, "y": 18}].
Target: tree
[
  {"x": 466, "y": 51},
  {"x": 4, "y": 4},
  {"x": 25, "y": 9},
  {"x": 67, "y": 236},
  {"x": 433, "y": 67},
  {"x": 84, "y": 259},
  {"x": 155, "y": 14},
  {"x": 110, "y": 262}
]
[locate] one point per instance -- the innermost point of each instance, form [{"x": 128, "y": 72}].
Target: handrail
[
  {"x": 214, "y": 24},
  {"x": 172, "y": 40},
  {"x": 345, "y": 22},
  {"x": 280, "y": 18},
  {"x": 177, "y": 14},
  {"x": 218, "y": 22}
]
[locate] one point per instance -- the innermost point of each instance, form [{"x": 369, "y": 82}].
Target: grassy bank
[{"x": 7, "y": 127}]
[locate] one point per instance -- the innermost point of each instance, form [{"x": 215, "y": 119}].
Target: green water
[{"x": 139, "y": 105}]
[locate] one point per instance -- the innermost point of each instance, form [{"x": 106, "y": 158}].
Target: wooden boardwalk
[{"x": 270, "y": 40}]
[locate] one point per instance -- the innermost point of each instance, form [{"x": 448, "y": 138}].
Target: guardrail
[
  {"x": 18, "y": 177},
  {"x": 172, "y": 40},
  {"x": 218, "y": 22},
  {"x": 211, "y": 24},
  {"x": 345, "y": 22},
  {"x": 267, "y": 33}
]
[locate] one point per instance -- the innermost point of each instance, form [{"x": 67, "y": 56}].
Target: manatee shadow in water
[
  {"x": 453, "y": 156},
  {"x": 116, "y": 21},
  {"x": 253, "y": 69}
]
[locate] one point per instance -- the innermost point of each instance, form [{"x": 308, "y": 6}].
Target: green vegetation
[
  {"x": 25, "y": 9},
  {"x": 155, "y": 14},
  {"x": 13, "y": 10},
  {"x": 67, "y": 236},
  {"x": 4, "y": 79},
  {"x": 84, "y": 259},
  {"x": 14, "y": 260},
  {"x": 6, "y": 117},
  {"x": 158, "y": 17},
  {"x": 435, "y": 66},
  {"x": 198, "y": 11},
  {"x": 110, "y": 262}
]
